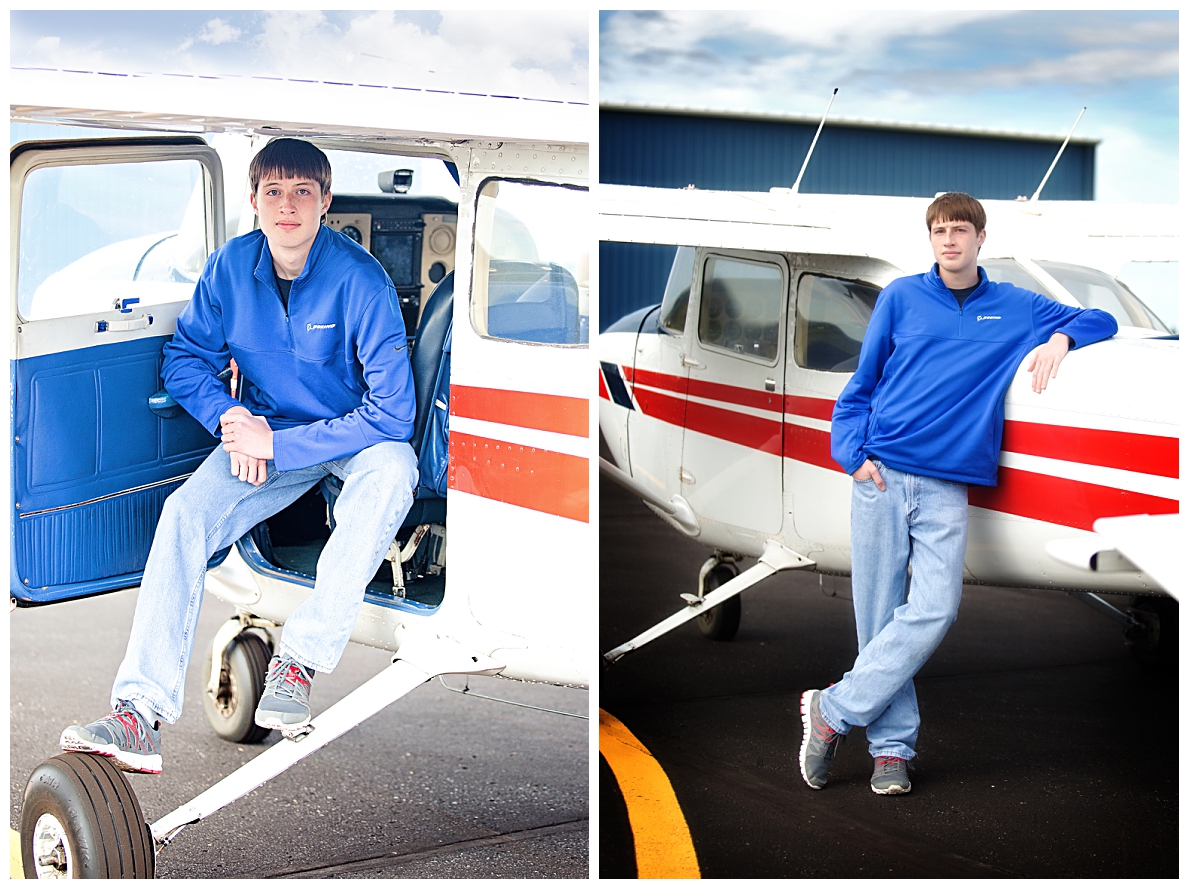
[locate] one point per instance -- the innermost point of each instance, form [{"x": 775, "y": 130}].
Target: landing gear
[
  {"x": 1155, "y": 643},
  {"x": 721, "y": 622},
  {"x": 81, "y": 820},
  {"x": 231, "y": 707}
]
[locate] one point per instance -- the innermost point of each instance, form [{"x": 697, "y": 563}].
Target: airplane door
[
  {"x": 731, "y": 454},
  {"x": 520, "y": 384},
  {"x": 107, "y": 240},
  {"x": 828, "y": 319}
]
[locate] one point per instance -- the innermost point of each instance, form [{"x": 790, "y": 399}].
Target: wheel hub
[{"x": 51, "y": 850}]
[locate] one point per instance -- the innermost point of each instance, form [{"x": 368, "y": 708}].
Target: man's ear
[{"x": 252, "y": 199}]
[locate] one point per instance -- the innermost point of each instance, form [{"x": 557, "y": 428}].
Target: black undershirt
[
  {"x": 960, "y": 295},
  {"x": 283, "y": 285}
]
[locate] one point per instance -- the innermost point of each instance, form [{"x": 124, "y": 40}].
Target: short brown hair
[
  {"x": 290, "y": 159},
  {"x": 956, "y": 206}
]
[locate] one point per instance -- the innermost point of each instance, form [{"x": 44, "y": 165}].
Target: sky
[
  {"x": 537, "y": 54},
  {"x": 1003, "y": 70}
]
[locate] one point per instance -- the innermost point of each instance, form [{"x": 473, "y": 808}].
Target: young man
[
  {"x": 920, "y": 420},
  {"x": 309, "y": 318}
]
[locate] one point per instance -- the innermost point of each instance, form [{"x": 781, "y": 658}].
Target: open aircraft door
[
  {"x": 108, "y": 239},
  {"x": 519, "y": 476}
]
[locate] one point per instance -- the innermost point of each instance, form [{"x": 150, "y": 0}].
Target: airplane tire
[
  {"x": 232, "y": 711},
  {"x": 1155, "y": 646},
  {"x": 721, "y": 622},
  {"x": 80, "y": 819}
]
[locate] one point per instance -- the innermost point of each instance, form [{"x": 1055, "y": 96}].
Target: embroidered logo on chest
[
  {"x": 990, "y": 317},
  {"x": 310, "y": 327}
]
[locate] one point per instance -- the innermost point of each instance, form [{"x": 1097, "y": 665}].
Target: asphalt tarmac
[
  {"x": 436, "y": 785},
  {"x": 1045, "y": 750}
]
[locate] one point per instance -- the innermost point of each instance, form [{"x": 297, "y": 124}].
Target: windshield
[
  {"x": 1098, "y": 290},
  {"x": 356, "y": 172},
  {"x": 1008, "y": 271}
]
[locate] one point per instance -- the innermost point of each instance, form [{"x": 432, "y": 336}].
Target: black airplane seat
[{"x": 425, "y": 356}]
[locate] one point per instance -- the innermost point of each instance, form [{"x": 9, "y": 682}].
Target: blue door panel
[
  {"x": 65, "y": 409},
  {"x": 129, "y": 435},
  {"x": 92, "y": 466},
  {"x": 92, "y": 542}
]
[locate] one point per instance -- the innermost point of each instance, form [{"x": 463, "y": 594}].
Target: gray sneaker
[
  {"x": 890, "y": 776},
  {"x": 285, "y": 704},
  {"x": 123, "y": 736},
  {"x": 818, "y": 741}
]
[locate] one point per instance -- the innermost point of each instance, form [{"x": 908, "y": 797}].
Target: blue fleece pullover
[
  {"x": 331, "y": 376},
  {"x": 927, "y": 396}
]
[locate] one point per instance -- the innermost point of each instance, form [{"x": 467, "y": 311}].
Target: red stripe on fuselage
[
  {"x": 1064, "y": 501},
  {"x": 744, "y": 429},
  {"x": 603, "y": 393},
  {"x": 1151, "y": 454}
]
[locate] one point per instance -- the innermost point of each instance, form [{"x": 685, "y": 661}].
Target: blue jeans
[
  {"x": 212, "y": 510},
  {"x": 901, "y": 618}
]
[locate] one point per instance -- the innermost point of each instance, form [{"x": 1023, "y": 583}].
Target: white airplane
[
  {"x": 108, "y": 236},
  {"x": 716, "y": 404}
]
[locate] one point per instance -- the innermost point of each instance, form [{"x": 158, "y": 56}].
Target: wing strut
[
  {"x": 776, "y": 557},
  {"x": 414, "y": 664}
]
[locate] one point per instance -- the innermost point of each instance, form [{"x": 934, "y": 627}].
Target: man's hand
[
  {"x": 1046, "y": 360},
  {"x": 252, "y": 470},
  {"x": 245, "y": 434},
  {"x": 868, "y": 471}
]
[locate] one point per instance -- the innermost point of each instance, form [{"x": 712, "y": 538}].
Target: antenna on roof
[
  {"x": 797, "y": 184},
  {"x": 1036, "y": 195}
]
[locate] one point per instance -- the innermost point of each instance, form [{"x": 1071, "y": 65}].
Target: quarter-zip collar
[
  {"x": 264, "y": 267},
  {"x": 933, "y": 279}
]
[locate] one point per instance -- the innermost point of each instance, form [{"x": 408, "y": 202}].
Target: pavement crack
[{"x": 385, "y": 859}]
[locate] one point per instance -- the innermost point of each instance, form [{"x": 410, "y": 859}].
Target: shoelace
[
  {"x": 289, "y": 677},
  {"x": 134, "y": 731},
  {"x": 887, "y": 763}
]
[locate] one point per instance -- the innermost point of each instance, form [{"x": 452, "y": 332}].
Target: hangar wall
[{"x": 672, "y": 148}]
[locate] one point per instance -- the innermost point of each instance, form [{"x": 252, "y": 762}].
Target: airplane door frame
[
  {"x": 731, "y": 462},
  {"x": 88, "y": 479}
]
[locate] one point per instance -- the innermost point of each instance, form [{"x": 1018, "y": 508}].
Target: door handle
[
  {"x": 163, "y": 405},
  {"x": 691, "y": 362},
  {"x": 770, "y": 385},
  {"x": 132, "y": 324}
]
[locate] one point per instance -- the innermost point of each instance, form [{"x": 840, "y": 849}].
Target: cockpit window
[
  {"x": 1097, "y": 290},
  {"x": 94, "y": 235},
  {"x": 532, "y": 263},
  {"x": 832, "y": 319},
  {"x": 1008, "y": 271},
  {"x": 740, "y": 309}
]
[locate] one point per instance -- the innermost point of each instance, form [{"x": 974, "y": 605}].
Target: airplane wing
[{"x": 1148, "y": 543}]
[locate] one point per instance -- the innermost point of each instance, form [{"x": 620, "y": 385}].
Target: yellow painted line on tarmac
[
  {"x": 664, "y": 848},
  {"x": 16, "y": 870}
]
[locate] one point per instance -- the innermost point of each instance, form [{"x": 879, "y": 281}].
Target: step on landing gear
[{"x": 81, "y": 820}]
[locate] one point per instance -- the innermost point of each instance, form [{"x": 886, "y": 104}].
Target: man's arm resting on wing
[{"x": 1066, "y": 328}]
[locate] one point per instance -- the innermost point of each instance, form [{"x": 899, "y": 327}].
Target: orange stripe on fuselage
[
  {"x": 534, "y": 478},
  {"x": 532, "y": 410}
]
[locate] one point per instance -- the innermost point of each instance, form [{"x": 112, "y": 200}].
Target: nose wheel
[{"x": 81, "y": 820}]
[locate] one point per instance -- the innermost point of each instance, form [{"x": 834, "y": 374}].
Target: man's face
[
  {"x": 955, "y": 244},
  {"x": 290, "y": 211}
]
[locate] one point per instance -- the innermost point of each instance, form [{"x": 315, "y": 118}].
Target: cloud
[
  {"x": 218, "y": 31},
  {"x": 536, "y": 54}
]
